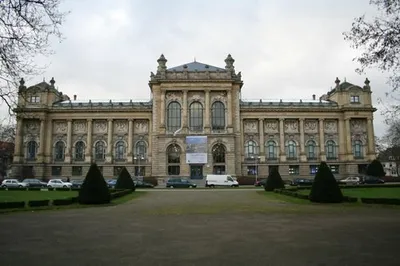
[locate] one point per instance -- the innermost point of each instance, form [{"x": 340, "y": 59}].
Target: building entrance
[{"x": 196, "y": 171}]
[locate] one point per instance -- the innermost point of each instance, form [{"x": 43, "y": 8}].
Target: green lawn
[
  {"x": 393, "y": 192},
  {"x": 35, "y": 195}
]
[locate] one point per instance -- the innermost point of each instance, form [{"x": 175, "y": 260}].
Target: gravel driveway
[{"x": 202, "y": 227}]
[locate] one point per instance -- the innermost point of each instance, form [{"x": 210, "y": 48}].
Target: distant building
[
  {"x": 6, "y": 158},
  {"x": 60, "y": 136},
  {"x": 390, "y": 159}
]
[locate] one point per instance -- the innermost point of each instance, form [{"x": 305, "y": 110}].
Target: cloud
[{"x": 284, "y": 49}]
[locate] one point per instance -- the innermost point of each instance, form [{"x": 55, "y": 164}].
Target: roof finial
[
  {"x": 195, "y": 59},
  {"x": 44, "y": 80},
  {"x": 344, "y": 79}
]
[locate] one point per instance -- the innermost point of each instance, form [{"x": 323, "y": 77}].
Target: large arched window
[
  {"x": 358, "y": 149},
  {"x": 173, "y": 159},
  {"x": 79, "y": 151},
  {"x": 100, "y": 150},
  {"x": 59, "y": 151},
  {"x": 174, "y": 116},
  {"x": 291, "y": 150},
  {"x": 331, "y": 152},
  {"x": 196, "y": 116},
  {"x": 311, "y": 150},
  {"x": 218, "y": 116},
  {"x": 120, "y": 150},
  {"x": 218, "y": 155},
  {"x": 272, "y": 151},
  {"x": 141, "y": 148},
  {"x": 251, "y": 149},
  {"x": 31, "y": 150}
]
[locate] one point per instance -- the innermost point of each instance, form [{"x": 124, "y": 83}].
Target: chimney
[
  {"x": 313, "y": 97},
  {"x": 74, "y": 97}
]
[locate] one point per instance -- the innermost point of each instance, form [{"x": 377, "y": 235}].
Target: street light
[
  {"x": 139, "y": 157},
  {"x": 256, "y": 158}
]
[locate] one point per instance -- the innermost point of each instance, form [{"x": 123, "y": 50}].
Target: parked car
[
  {"x": 76, "y": 183},
  {"x": 177, "y": 182},
  {"x": 58, "y": 183},
  {"x": 111, "y": 183},
  {"x": 371, "y": 180},
  {"x": 12, "y": 183},
  {"x": 142, "y": 184},
  {"x": 260, "y": 182},
  {"x": 302, "y": 182},
  {"x": 351, "y": 180},
  {"x": 33, "y": 182}
]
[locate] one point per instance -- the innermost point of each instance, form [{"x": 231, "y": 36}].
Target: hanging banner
[{"x": 196, "y": 149}]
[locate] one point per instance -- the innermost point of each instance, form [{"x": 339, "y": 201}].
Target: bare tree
[
  {"x": 7, "y": 133},
  {"x": 26, "y": 27}
]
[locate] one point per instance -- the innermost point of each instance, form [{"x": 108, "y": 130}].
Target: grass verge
[{"x": 366, "y": 192}]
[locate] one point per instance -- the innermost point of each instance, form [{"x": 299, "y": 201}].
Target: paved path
[{"x": 197, "y": 227}]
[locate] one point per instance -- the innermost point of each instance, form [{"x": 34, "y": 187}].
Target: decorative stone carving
[
  {"x": 291, "y": 126},
  {"x": 120, "y": 126},
  {"x": 141, "y": 126},
  {"x": 195, "y": 98},
  {"x": 330, "y": 126},
  {"x": 311, "y": 126},
  {"x": 250, "y": 126},
  {"x": 60, "y": 127},
  {"x": 358, "y": 125},
  {"x": 79, "y": 127},
  {"x": 173, "y": 96},
  {"x": 361, "y": 136},
  {"x": 32, "y": 126},
  {"x": 271, "y": 126},
  {"x": 218, "y": 97},
  {"x": 100, "y": 126}
]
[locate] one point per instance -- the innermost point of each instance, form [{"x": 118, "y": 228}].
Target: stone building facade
[{"x": 60, "y": 136}]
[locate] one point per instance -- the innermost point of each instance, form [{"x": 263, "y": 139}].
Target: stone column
[
  {"x": 207, "y": 127},
  {"x": 109, "y": 141},
  {"x": 42, "y": 138},
  {"x": 349, "y": 150},
  {"x": 371, "y": 137},
  {"x": 342, "y": 141},
  {"x": 321, "y": 140},
  {"x": 19, "y": 154},
  {"x": 150, "y": 148},
  {"x": 68, "y": 151},
  {"x": 89, "y": 145},
  {"x": 184, "y": 111},
  {"x": 282, "y": 140},
  {"x": 261, "y": 136},
  {"x": 303, "y": 155},
  {"x": 162, "y": 109},
  {"x": 229, "y": 99},
  {"x": 130, "y": 139}
]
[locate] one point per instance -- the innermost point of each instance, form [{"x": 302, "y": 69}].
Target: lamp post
[
  {"x": 138, "y": 158},
  {"x": 256, "y": 158}
]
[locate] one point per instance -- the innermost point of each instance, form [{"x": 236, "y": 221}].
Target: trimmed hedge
[
  {"x": 274, "y": 181},
  {"x": 385, "y": 201},
  {"x": 17, "y": 188},
  {"x": 34, "y": 188},
  {"x": 63, "y": 189},
  {"x": 325, "y": 188},
  {"x": 124, "y": 180},
  {"x": 94, "y": 189},
  {"x": 61, "y": 202},
  {"x": 120, "y": 193},
  {"x": 50, "y": 189},
  {"x": 350, "y": 199},
  {"x": 74, "y": 199},
  {"x": 12, "y": 205},
  {"x": 38, "y": 203}
]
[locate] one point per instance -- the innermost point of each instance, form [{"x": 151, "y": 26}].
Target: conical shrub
[
  {"x": 94, "y": 189},
  {"x": 124, "y": 180},
  {"x": 325, "y": 188},
  {"x": 274, "y": 181},
  {"x": 375, "y": 168}
]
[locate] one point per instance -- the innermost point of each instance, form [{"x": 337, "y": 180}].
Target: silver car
[{"x": 12, "y": 183}]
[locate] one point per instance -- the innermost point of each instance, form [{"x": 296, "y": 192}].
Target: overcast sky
[{"x": 285, "y": 49}]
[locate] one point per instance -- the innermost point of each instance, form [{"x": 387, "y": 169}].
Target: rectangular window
[
  {"x": 76, "y": 170},
  {"x": 34, "y": 99},
  {"x": 294, "y": 170},
  {"x": 56, "y": 170},
  {"x": 354, "y": 99},
  {"x": 174, "y": 170},
  {"x": 335, "y": 169},
  {"x": 117, "y": 170},
  {"x": 140, "y": 171},
  {"x": 219, "y": 169},
  {"x": 251, "y": 170},
  {"x": 313, "y": 169}
]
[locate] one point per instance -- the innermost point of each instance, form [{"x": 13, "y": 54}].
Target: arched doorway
[{"x": 219, "y": 160}]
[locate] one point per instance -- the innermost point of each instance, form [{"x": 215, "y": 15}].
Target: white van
[{"x": 221, "y": 180}]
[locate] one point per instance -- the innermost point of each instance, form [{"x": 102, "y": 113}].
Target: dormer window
[
  {"x": 34, "y": 99},
  {"x": 355, "y": 99}
]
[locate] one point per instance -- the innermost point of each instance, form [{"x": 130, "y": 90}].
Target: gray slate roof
[{"x": 196, "y": 66}]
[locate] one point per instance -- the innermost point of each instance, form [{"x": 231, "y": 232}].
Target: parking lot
[{"x": 202, "y": 227}]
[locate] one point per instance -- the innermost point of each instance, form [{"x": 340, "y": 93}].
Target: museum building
[{"x": 194, "y": 124}]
